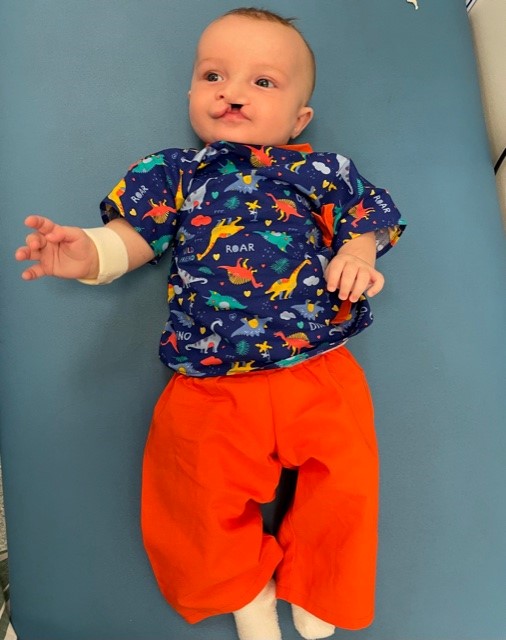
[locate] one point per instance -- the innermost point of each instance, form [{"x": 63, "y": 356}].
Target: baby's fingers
[
  {"x": 377, "y": 284},
  {"x": 31, "y": 251},
  {"x": 33, "y": 272},
  {"x": 333, "y": 273},
  {"x": 23, "y": 253},
  {"x": 353, "y": 284},
  {"x": 36, "y": 241},
  {"x": 46, "y": 228},
  {"x": 39, "y": 223}
]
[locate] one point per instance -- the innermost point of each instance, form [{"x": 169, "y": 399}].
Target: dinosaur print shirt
[{"x": 252, "y": 230}]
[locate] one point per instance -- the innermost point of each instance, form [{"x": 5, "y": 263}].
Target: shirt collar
[{"x": 303, "y": 147}]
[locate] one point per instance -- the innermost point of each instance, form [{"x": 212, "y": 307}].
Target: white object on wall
[{"x": 488, "y": 23}]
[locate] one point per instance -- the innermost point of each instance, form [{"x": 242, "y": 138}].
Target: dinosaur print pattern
[
  {"x": 286, "y": 208},
  {"x": 240, "y": 273},
  {"x": 251, "y": 230},
  {"x": 224, "y": 229},
  {"x": 284, "y": 287}
]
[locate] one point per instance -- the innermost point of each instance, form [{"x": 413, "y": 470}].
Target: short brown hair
[{"x": 264, "y": 14}]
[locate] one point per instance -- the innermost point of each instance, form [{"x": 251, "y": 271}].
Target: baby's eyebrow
[{"x": 207, "y": 62}]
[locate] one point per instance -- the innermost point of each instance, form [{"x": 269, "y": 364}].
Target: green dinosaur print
[
  {"x": 280, "y": 239},
  {"x": 225, "y": 303}
]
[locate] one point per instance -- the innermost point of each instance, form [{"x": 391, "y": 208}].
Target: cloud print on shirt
[{"x": 321, "y": 167}]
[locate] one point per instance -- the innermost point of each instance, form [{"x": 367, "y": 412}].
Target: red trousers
[{"x": 215, "y": 452}]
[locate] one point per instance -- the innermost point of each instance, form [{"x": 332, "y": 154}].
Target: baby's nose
[{"x": 233, "y": 93}]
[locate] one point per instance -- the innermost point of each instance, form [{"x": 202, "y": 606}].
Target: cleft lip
[{"x": 231, "y": 111}]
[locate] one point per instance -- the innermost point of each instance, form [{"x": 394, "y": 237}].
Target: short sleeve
[
  {"x": 355, "y": 206},
  {"x": 148, "y": 197}
]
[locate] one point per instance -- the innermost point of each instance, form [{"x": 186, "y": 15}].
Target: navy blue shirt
[{"x": 252, "y": 230}]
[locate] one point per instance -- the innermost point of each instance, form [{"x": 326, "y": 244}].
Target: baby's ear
[{"x": 303, "y": 119}]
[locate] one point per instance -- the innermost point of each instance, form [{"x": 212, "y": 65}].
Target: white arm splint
[{"x": 112, "y": 255}]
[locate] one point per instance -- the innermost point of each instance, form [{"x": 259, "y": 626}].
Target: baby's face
[{"x": 251, "y": 81}]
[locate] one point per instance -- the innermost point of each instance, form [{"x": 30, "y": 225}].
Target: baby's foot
[
  {"x": 258, "y": 620},
  {"x": 309, "y": 626}
]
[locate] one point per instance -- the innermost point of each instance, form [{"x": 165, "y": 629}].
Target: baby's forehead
[
  {"x": 226, "y": 35},
  {"x": 234, "y": 24},
  {"x": 284, "y": 42}
]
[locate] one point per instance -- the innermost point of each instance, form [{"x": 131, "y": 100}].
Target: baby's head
[{"x": 253, "y": 76}]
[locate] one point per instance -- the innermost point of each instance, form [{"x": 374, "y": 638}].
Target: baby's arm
[
  {"x": 69, "y": 252},
  {"x": 352, "y": 270}
]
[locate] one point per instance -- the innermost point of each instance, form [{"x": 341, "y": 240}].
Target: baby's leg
[
  {"x": 258, "y": 620},
  {"x": 329, "y": 535},
  {"x": 209, "y": 461}
]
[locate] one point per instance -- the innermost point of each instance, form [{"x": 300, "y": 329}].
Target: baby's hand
[
  {"x": 352, "y": 276},
  {"x": 63, "y": 252}
]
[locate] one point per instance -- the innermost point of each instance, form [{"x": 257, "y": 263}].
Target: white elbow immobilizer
[{"x": 112, "y": 255}]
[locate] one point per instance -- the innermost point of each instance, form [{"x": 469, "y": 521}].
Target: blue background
[{"x": 87, "y": 89}]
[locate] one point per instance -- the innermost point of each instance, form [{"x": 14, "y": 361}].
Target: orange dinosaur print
[
  {"x": 295, "y": 342},
  {"x": 241, "y": 273},
  {"x": 159, "y": 212},
  {"x": 359, "y": 212},
  {"x": 172, "y": 340},
  {"x": 260, "y": 156},
  {"x": 286, "y": 208}
]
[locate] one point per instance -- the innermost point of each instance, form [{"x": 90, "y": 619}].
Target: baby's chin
[{"x": 258, "y": 142}]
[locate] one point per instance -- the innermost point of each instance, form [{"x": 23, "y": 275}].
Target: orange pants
[{"x": 215, "y": 451}]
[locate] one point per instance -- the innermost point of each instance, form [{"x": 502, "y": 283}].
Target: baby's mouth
[{"x": 233, "y": 112}]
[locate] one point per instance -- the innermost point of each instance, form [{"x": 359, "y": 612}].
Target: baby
[{"x": 273, "y": 249}]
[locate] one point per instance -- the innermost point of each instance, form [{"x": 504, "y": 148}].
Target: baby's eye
[
  {"x": 212, "y": 76},
  {"x": 265, "y": 83}
]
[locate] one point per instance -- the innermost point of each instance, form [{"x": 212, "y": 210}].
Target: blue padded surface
[{"x": 90, "y": 87}]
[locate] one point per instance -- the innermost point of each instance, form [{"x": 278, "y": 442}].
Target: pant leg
[
  {"x": 329, "y": 536},
  {"x": 208, "y": 463}
]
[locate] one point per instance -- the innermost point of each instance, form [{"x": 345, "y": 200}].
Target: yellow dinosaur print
[
  {"x": 284, "y": 287},
  {"x": 116, "y": 194},
  {"x": 395, "y": 234},
  {"x": 221, "y": 230},
  {"x": 295, "y": 166},
  {"x": 241, "y": 367},
  {"x": 179, "y": 198}
]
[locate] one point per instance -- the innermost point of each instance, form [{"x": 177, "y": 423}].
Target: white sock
[
  {"x": 309, "y": 626},
  {"x": 258, "y": 620}
]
